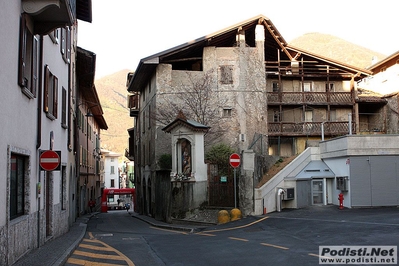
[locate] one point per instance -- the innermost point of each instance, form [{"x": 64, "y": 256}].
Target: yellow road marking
[
  {"x": 169, "y": 230},
  {"x": 94, "y": 255},
  {"x": 108, "y": 247},
  {"x": 238, "y": 227},
  {"x": 240, "y": 239},
  {"x": 91, "y": 236},
  {"x": 94, "y": 247},
  {"x": 274, "y": 246},
  {"x": 90, "y": 240},
  {"x": 204, "y": 234},
  {"x": 89, "y": 263}
]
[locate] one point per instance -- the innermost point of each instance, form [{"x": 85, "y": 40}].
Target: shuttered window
[
  {"x": 50, "y": 99},
  {"x": 66, "y": 44},
  {"x": 28, "y": 59},
  {"x": 64, "y": 108}
]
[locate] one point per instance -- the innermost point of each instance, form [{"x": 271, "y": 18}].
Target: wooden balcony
[
  {"x": 321, "y": 98},
  {"x": 309, "y": 128}
]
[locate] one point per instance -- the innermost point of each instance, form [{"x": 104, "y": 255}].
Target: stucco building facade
[{"x": 38, "y": 113}]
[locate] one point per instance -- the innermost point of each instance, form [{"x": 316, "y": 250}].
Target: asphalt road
[{"x": 291, "y": 237}]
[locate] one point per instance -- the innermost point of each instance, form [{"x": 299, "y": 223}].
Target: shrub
[
  {"x": 165, "y": 161},
  {"x": 219, "y": 154}
]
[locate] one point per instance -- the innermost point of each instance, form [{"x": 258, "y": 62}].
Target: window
[
  {"x": 17, "y": 185},
  {"x": 276, "y": 116},
  {"x": 143, "y": 122},
  {"x": 149, "y": 116},
  {"x": 54, "y": 36},
  {"x": 226, "y": 74},
  {"x": 226, "y": 112},
  {"x": 333, "y": 115},
  {"x": 143, "y": 159},
  {"x": 308, "y": 116},
  {"x": 64, "y": 108},
  {"x": 307, "y": 86},
  {"x": 133, "y": 101},
  {"x": 112, "y": 170},
  {"x": 28, "y": 59},
  {"x": 112, "y": 159},
  {"x": 112, "y": 182},
  {"x": 276, "y": 86},
  {"x": 50, "y": 102},
  {"x": 111, "y": 197},
  {"x": 329, "y": 87},
  {"x": 66, "y": 44},
  {"x": 149, "y": 86}
]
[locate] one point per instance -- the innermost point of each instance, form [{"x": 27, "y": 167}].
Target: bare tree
[{"x": 197, "y": 97}]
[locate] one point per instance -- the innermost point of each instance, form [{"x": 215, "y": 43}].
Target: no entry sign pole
[{"x": 235, "y": 161}]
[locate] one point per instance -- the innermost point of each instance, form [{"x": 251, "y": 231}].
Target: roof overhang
[
  {"x": 222, "y": 38},
  {"x": 85, "y": 72},
  {"x": 358, "y": 73}
]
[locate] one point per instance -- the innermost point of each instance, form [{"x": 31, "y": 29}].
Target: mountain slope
[
  {"x": 337, "y": 49},
  {"x": 112, "y": 92}
]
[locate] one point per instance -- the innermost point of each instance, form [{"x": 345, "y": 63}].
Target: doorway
[{"x": 317, "y": 192}]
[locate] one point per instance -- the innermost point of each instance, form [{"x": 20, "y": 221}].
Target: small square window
[{"x": 226, "y": 112}]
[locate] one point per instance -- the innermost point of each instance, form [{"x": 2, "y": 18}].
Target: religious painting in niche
[{"x": 186, "y": 157}]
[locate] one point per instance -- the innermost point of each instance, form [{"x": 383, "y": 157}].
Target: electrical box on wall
[
  {"x": 289, "y": 193},
  {"x": 342, "y": 183}
]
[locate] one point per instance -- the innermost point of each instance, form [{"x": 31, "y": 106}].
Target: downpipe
[{"x": 279, "y": 198}]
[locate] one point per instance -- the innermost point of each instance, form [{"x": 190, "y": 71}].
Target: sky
[{"x": 123, "y": 32}]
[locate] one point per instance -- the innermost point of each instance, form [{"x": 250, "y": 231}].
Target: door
[
  {"x": 317, "y": 192},
  {"x": 308, "y": 125},
  {"x": 220, "y": 187}
]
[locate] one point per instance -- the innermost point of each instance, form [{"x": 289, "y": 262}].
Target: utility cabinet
[{"x": 289, "y": 193}]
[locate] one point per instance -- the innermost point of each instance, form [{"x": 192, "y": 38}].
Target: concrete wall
[
  {"x": 355, "y": 145},
  {"x": 265, "y": 196}
]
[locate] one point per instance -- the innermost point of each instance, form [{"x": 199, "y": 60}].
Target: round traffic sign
[
  {"x": 49, "y": 160},
  {"x": 235, "y": 160}
]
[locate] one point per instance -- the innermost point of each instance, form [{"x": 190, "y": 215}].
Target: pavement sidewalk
[{"x": 57, "y": 251}]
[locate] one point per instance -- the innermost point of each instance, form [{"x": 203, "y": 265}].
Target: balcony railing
[
  {"x": 309, "y": 128},
  {"x": 309, "y": 97}
]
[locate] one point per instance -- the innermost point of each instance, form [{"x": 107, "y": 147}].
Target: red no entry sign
[
  {"x": 49, "y": 160},
  {"x": 235, "y": 160}
]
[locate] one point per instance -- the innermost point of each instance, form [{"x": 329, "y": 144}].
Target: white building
[
  {"x": 111, "y": 173},
  {"x": 37, "y": 79}
]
